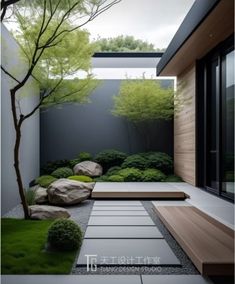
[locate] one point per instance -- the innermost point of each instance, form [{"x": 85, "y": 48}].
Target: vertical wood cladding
[{"x": 184, "y": 128}]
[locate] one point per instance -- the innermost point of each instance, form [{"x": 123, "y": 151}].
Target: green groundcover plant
[{"x": 24, "y": 249}]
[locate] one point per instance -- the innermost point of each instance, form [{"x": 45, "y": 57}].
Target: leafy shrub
[
  {"x": 84, "y": 156},
  {"x": 81, "y": 178},
  {"x": 45, "y": 181},
  {"x": 135, "y": 161},
  {"x": 62, "y": 173},
  {"x": 144, "y": 100},
  {"x": 160, "y": 161},
  {"x": 64, "y": 235},
  {"x": 173, "y": 178},
  {"x": 153, "y": 175},
  {"x": 113, "y": 171},
  {"x": 146, "y": 154},
  {"x": 131, "y": 174},
  {"x": 116, "y": 178},
  {"x": 110, "y": 158},
  {"x": 49, "y": 167},
  {"x": 103, "y": 178},
  {"x": 30, "y": 196},
  {"x": 74, "y": 162}
]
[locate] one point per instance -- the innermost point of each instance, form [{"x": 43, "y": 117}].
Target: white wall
[{"x": 14, "y": 62}]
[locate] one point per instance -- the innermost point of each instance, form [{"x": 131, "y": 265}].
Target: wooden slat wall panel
[{"x": 184, "y": 128}]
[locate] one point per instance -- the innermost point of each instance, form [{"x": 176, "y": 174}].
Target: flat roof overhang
[
  {"x": 126, "y": 59},
  {"x": 207, "y": 24}
]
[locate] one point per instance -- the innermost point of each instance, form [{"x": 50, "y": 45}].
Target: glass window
[{"x": 228, "y": 125}]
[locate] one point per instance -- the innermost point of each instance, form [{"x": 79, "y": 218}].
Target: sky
[{"x": 155, "y": 21}]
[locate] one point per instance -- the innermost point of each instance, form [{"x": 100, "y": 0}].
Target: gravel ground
[{"x": 81, "y": 213}]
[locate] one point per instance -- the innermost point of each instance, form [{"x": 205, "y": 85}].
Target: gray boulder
[
  {"x": 68, "y": 192},
  {"x": 41, "y": 195},
  {"x": 43, "y": 212},
  {"x": 88, "y": 168}
]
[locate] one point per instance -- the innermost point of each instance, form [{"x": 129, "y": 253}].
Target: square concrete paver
[
  {"x": 71, "y": 279},
  {"x": 119, "y": 232},
  {"x": 120, "y": 221},
  {"x": 127, "y": 252},
  {"x": 121, "y": 208},
  {"x": 119, "y": 213},
  {"x": 175, "y": 279},
  {"x": 117, "y": 203}
]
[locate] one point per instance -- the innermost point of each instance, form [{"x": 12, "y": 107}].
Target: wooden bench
[{"x": 207, "y": 242}]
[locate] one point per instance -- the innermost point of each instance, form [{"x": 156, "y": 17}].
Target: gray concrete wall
[
  {"x": 13, "y": 61},
  {"x": 91, "y": 127}
]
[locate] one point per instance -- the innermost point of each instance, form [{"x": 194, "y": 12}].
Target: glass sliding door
[
  {"x": 212, "y": 125},
  {"x": 228, "y": 124},
  {"x": 218, "y": 117}
]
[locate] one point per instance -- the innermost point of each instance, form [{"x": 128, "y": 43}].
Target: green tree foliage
[
  {"x": 58, "y": 64},
  {"x": 124, "y": 43},
  {"x": 144, "y": 100}
]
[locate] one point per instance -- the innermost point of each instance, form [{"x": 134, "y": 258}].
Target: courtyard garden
[{"x": 45, "y": 231}]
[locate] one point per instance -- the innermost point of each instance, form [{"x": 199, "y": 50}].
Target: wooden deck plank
[
  {"x": 208, "y": 243},
  {"x": 139, "y": 194}
]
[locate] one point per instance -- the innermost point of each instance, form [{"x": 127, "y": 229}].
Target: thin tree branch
[
  {"x": 10, "y": 75},
  {"x": 7, "y": 3},
  {"x": 3, "y": 13},
  {"x": 42, "y": 99}
]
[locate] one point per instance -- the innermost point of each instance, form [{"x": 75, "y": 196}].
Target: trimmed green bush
[
  {"x": 62, "y": 173},
  {"x": 103, "y": 178},
  {"x": 64, "y": 235},
  {"x": 131, "y": 174},
  {"x": 81, "y": 178},
  {"x": 173, "y": 178},
  {"x": 74, "y": 162},
  {"x": 84, "y": 156},
  {"x": 153, "y": 175},
  {"x": 45, "y": 181},
  {"x": 113, "y": 171},
  {"x": 135, "y": 161},
  {"x": 116, "y": 178},
  {"x": 30, "y": 196},
  {"x": 146, "y": 154},
  {"x": 160, "y": 161},
  {"x": 110, "y": 158},
  {"x": 51, "y": 166}
]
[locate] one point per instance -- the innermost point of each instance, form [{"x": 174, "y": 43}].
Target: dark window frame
[{"x": 201, "y": 124}]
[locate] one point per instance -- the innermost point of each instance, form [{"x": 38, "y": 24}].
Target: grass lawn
[{"x": 23, "y": 249}]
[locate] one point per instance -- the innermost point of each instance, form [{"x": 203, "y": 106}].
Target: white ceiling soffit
[{"x": 119, "y": 62}]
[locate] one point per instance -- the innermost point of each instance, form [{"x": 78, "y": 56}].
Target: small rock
[
  {"x": 88, "y": 168},
  {"x": 68, "y": 192},
  {"x": 43, "y": 212}
]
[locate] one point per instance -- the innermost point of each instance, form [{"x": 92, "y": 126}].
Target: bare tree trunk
[
  {"x": 18, "y": 173},
  {"x": 17, "y": 125}
]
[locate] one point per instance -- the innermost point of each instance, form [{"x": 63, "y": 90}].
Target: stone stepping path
[
  {"x": 128, "y": 252},
  {"x": 118, "y": 208},
  {"x": 122, "y": 232},
  {"x": 123, "y": 239},
  {"x": 120, "y": 221},
  {"x": 118, "y": 203},
  {"x": 119, "y": 213}
]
